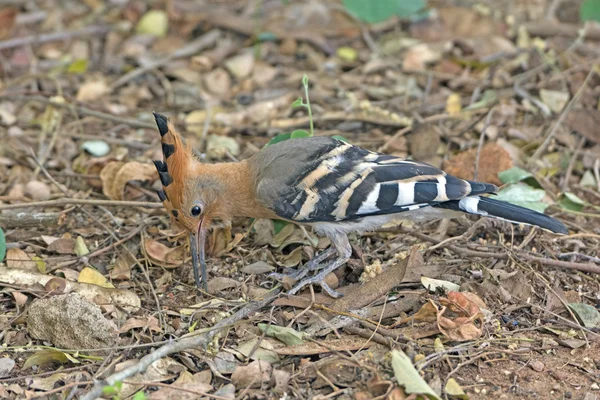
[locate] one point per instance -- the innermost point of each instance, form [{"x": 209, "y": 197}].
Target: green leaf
[
  {"x": 489, "y": 98},
  {"x": 523, "y": 195},
  {"x": 587, "y": 180},
  {"x": 2, "y": 245},
  {"x": 288, "y": 336},
  {"x": 453, "y": 389},
  {"x": 80, "y": 247},
  {"x": 590, "y": 10},
  {"x": 589, "y": 316},
  {"x": 278, "y": 225},
  {"x": 298, "y": 103},
  {"x": 339, "y": 137},
  {"x": 279, "y": 138},
  {"x": 140, "y": 396},
  {"x": 109, "y": 391},
  {"x": 48, "y": 356},
  {"x": 380, "y": 10},
  {"x": 513, "y": 175},
  {"x": 154, "y": 22},
  {"x": 305, "y": 80},
  {"x": 266, "y": 37},
  {"x": 299, "y": 133},
  {"x": 78, "y": 66},
  {"x": 407, "y": 376},
  {"x": 569, "y": 201}
]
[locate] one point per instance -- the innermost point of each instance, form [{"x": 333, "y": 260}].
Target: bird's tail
[{"x": 507, "y": 211}]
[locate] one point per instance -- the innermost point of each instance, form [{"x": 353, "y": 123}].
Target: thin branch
[
  {"x": 134, "y": 123},
  {"x": 192, "y": 48},
  {"x": 54, "y": 36},
  {"x": 481, "y": 140},
  {"x": 175, "y": 347},
  {"x": 93, "y": 202},
  {"x": 567, "y": 109}
]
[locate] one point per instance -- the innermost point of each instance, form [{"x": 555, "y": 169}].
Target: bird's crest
[{"x": 176, "y": 167}]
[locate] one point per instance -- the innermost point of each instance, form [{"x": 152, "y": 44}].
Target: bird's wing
[{"x": 323, "y": 179}]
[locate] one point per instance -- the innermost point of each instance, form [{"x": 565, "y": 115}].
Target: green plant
[
  {"x": 380, "y": 10},
  {"x": 2, "y": 245},
  {"x": 590, "y": 10}
]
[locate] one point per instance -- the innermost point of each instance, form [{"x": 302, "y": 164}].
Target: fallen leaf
[
  {"x": 289, "y": 336},
  {"x": 408, "y": 377},
  {"x": 62, "y": 246},
  {"x": 91, "y": 91},
  {"x": 453, "y": 104},
  {"x": 241, "y": 66},
  {"x": 18, "y": 259},
  {"x": 347, "y": 343},
  {"x": 116, "y": 174},
  {"x": 252, "y": 376},
  {"x": 257, "y": 349},
  {"x": 218, "y": 146},
  {"x": 80, "y": 247},
  {"x": 185, "y": 381},
  {"x": 468, "y": 322},
  {"x": 433, "y": 284},
  {"x": 492, "y": 160},
  {"x": 150, "y": 323},
  {"x": 154, "y": 22},
  {"x": 452, "y": 388},
  {"x": 38, "y": 191},
  {"x": 162, "y": 255},
  {"x": 122, "y": 268},
  {"x": 90, "y": 275},
  {"x": 49, "y": 382},
  {"x": 588, "y": 315},
  {"x": 48, "y": 356},
  {"x": 555, "y": 100},
  {"x": 586, "y": 122},
  {"x": 523, "y": 195},
  {"x": 259, "y": 267}
]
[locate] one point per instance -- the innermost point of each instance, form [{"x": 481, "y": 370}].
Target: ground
[{"x": 97, "y": 287}]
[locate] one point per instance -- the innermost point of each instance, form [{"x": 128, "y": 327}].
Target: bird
[{"x": 321, "y": 182}]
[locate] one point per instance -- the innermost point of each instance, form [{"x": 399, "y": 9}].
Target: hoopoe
[{"x": 331, "y": 185}]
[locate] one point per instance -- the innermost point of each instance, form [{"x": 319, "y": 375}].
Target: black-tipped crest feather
[{"x": 161, "y": 122}]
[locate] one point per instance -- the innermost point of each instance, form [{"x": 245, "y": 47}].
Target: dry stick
[
  {"x": 134, "y": 123},
  {"x": 55, "y": 36},
  {"x": 505, "y": 256},
  {"x": 174, "y": 347},
  {"x": 481, "y": 140},
  {"x": 194, "y": 47},
  {"x": 567, "y": 109},
  {"x": 565, "y": 185},
  {"x": 93, "y": 202}
]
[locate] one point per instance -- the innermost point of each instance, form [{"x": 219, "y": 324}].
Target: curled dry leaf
[
  {"x": 162, "y": 255},
  {"x": 116, "y": 174},
  {"x": 468, "y": 322}
]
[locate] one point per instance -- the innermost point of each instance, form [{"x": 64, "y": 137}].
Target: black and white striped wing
[{"x": 338, "y": 181}]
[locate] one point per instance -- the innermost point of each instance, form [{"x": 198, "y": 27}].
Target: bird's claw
[{"x": 318, "y": 279}]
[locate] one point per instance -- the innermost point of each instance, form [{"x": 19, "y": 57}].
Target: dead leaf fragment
[
  {"x": 91, "y": 276},
  {"x": 17, "y": 258},
  {"x": 253, "y": 375},
  {"x": 116, "y": 174},
  {"x": 493, "y": 159},
  {"x": 91, "y": 91},
  {"x": 162, "y": 255}
]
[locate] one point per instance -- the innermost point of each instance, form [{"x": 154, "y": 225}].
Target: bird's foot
[
  {"x": 313, "y": 265},
  {"x": 318, "y": 279}
]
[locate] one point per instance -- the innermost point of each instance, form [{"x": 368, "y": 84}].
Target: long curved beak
[{"x": 198, "y": 255}]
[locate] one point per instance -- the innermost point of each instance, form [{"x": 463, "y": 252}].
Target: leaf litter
[{"x": 417, "y": 80}]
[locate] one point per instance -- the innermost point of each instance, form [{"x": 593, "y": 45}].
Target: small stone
[
  {"x": 594, "y": 386},
  {"x": 70, "y": 322},
  {"x": 537, "y": 366},
  {"x": 37, "y": 190},
  {"x": 6, "y": 365},
  {"x": 241, "y": 66},
  {"x": 218, "y": 81}
]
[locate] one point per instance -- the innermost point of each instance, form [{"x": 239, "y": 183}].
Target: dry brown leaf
[
  {"x": 585, "y": 122},
  {"x": 62, "y": 246},
  {"x": 493, "y": 159},
  {"x": 91, "y": 91},
  {"x": 116, "y": 174},
  {"x": 346, "y": 343},
  {"x": 162, "y": 255},
  {"x": 150, "y": 323},
  {"x": 7, "y": 22},
  {"x": 252, "y": 375},
  {"x": 17, "y": 258},
  {"x": 467, "y": 325}
]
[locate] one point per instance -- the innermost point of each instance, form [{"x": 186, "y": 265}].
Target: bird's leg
[
  {"x": 342, "y": 246},
  {"x": 312, "y": 265}
]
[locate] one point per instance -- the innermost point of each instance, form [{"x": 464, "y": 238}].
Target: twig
[
  {"x": 568, "y": 108},
  {"x": 481, "y": 140},
  {"x": 194, "y": 47},
  {"x": 505, "y": 256},
  {"x": 55, "y": 36},
  {"x": 565, "y": 184},
  {"x": 93, "y": 202},
  {"x": 31, "y": 220},
  {"x": 175, "y": 347},
  {"x": 134, "y": 123}
]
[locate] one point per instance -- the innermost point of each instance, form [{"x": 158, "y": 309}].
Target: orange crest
[{"x": 175, "y": 168}]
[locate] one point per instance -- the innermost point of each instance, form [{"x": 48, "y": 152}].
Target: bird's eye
[{"x": 196, "y": 210}]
